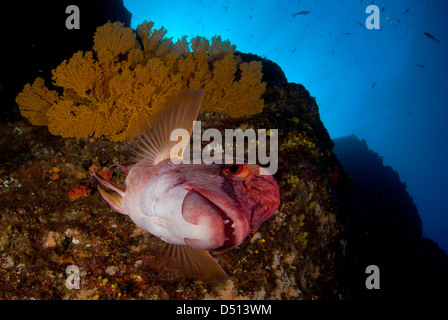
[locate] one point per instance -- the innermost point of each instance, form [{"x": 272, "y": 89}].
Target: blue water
[{"x": 366, "y": 82}]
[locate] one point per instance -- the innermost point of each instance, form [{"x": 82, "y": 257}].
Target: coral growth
[
  {"x": 107, "y": 90},
  {"x": 79, "y": 192}
]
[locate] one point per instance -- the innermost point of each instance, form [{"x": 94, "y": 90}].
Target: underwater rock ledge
[{"x": 386, "y": 230}]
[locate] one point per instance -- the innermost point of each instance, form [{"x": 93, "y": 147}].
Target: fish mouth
[{"x": 235, "y": 227}]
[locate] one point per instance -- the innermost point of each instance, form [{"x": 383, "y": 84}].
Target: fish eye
[
  {"x": 237, "y": 170},
  {"x": 234, "y": 169}
]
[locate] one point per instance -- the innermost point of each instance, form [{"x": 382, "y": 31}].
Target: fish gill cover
[{"x": 107, "y": 90}]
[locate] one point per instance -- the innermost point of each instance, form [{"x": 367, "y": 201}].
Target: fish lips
[{"x": 224, "y": 217}]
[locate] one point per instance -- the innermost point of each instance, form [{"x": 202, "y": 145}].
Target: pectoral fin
[
  {"x": 193, "y": 263},
  {"x": 154, "y": 142},
  {"x": 115, "y": 200}
]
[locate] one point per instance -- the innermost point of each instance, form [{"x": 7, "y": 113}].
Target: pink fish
[{"x": 193, "y": 208}]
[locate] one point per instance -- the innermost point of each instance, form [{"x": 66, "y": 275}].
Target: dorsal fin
[{"x": 179, "y": 112}]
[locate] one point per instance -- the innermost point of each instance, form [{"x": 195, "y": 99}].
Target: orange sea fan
[
  {"x": 81, "y": 73},
  {"x": 109, "y": 90},
  {"x": 35, "y": 100},
  {"x": 112, "y": 40},
  {"x": 67, "y": 120}
]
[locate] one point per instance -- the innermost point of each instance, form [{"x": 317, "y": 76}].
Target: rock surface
[
  {"x": 297, "y": 254},
  {"x": 386, "y": 230},
  {"x": 53, "y": 216}
]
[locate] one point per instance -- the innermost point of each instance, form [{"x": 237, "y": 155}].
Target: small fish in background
[
  {"x": 293, "y": 50},
  {"x": 193, "y": 208},
  {"x": 373, "y": 85},
  {"x": 383, "y": 8},
  {"x": 421, "y": 66},
  {"x": 303, "y": 13},
  {"x": 407, "y": 10},
  {"x": 430, "y": 36}
]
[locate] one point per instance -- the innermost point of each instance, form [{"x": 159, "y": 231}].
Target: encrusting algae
[{"x": 108, "y": 90}]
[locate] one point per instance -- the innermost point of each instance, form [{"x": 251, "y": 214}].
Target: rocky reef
[
  {"x": 385, "y": 230},
  {"x": 45, "y": 227}
]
